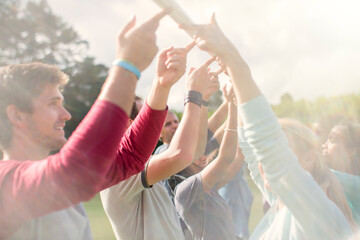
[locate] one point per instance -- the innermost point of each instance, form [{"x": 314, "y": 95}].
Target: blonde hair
[{"x": 305, "y": 145}]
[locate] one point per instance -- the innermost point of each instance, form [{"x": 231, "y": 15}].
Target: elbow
[{"x": 185, "y": 156}]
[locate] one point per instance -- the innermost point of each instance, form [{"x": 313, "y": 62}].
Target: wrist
[
  {"x": 158, "y": 83},
  {"x": 230, "y": 54},
  {"x": 193, "y": 97},
  {"x": 127, "y": 66}
]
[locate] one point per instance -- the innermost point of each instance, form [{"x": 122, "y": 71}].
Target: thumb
[
  {"x": 191, "y": 70},
  {"x": 129, "y": 25}
]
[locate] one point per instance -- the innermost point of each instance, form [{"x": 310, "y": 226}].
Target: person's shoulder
[
  {"x": 125, "y": 190},
  {"x": 190, "y": 185}
]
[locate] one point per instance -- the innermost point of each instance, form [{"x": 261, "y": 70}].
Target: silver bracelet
[{"x": 230, "y": 130}]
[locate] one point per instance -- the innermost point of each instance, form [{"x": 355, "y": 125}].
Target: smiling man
[
  {"x": 34, "y": 128},
  {"x": 40, "y": 194}
]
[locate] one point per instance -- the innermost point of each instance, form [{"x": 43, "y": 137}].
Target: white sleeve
[{"x": 295, "y": 187}]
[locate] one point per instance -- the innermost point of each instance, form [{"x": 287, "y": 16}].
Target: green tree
[
  {"x": 32, "y": 32},
  {"x": 80, "y": 93}
]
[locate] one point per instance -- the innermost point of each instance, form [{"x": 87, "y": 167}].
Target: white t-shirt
[
  {"x": 140, "y": 213},
  {"x": 70, "y": 223}
]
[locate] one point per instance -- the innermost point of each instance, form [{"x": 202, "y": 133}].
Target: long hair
[
  {"x": 305, "y": 145},
  {"x": 351, "y": 133}
]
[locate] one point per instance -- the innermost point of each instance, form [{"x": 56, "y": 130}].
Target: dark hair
[
  {"x": 134, "y": 110},
  {"x": 351, "y": 133},
  {"x": 326, "y": 122},
  {"x": 304, "y": 144},
  {"x": 20, "y": 84}
]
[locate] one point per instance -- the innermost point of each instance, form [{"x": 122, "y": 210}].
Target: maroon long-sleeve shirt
[{"x": 97, "y": 155}]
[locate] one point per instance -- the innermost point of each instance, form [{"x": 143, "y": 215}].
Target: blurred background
[{"x": 303, "y": 54}]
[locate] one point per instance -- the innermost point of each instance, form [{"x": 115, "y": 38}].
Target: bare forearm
[
  {"x": 187, "y": 134},
  {"x": 158, "y": 96},
  {"x": 229, "y": 142},
  {"x": 119, "y": 88},
  {"x": 214, "y": 174},
  {"x": 201, "y": 143},
  {"x": 181, "y": 151},
  {"x": 244, "y": 86},
  {"x": 218, "y": 117},
  {"x": 220, "y": 133}
]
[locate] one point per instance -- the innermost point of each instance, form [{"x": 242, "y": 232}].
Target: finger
[
  {"x": 201, "y": 44},
  {"x": 190, "y": 46},
  {"x": 164, "y": 53},
  {"x": 198, "y": 40},
  {"x": 173, "y": 65},
  {"x": 213, "y": 20},
  {"x": 213, "y": 74},
  {"x": 214, "y": 77},
  {"x": 156, "y": 18},
  {"x": 177, "y": 51},
  {"x": 175, "y": 58},
  {"x": 153, "y": 23},
  {"x": 220, "y": 70},
  {"x": 191, "y": 70},
  {"x": 208, "y": 62},
  {"x": 129, "y": 25}
]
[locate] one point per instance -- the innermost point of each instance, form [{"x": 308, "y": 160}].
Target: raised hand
[
  {"x": 138, "y": 44},
  {"x": 229, "y": 94},
  {"x": 171, "y": 64},
  {"x": 210, "y": 38},
  {"x": 213, "y": 87},
  {"x": 199, "y": 79}
]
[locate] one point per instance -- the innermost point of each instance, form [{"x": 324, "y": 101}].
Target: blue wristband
[{"x": 128, "y": 66}]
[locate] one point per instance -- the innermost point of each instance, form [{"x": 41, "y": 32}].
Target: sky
[{"x": 308, "y": 48}]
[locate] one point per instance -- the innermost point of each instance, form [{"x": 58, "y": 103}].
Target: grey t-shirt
[
  {"x": 136, "y": 212},
  {"x": 71, "y": 224},
  {"x": 238, "y": 196},
  {"x": 207, "y": 216}
]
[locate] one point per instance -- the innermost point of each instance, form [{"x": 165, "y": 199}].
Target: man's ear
[{"x": 15, "y": 116}]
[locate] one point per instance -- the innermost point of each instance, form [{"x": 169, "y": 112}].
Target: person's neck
[{"x": 23, "y": 152}]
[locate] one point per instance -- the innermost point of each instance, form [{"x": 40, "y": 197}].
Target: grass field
[{"x": 102, "y": 230}]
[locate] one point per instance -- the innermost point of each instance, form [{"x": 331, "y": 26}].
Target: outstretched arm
[
  {"x": 271, "y": 148},
  {"x": 182, "y": 148},
  {"x": 137, "y": 46},
  {"x": 77, "y": 172},
  {"x": 214, "y": 175},
  {"x": 203, "y": 131},
  {"x": 218, "y": 117},
  {"x": 140, "y": 139}
]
